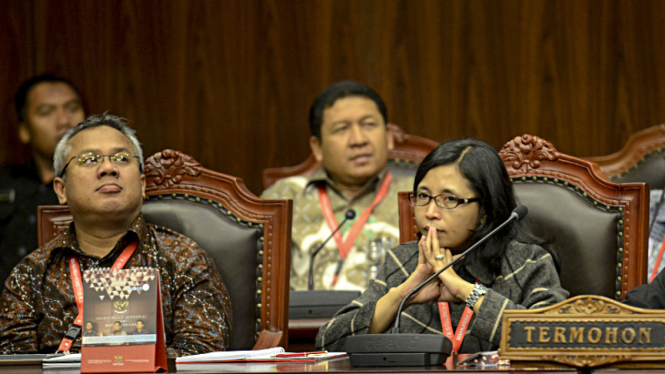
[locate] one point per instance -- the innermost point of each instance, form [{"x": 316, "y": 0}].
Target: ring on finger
[{"x": 440, "y": 257}]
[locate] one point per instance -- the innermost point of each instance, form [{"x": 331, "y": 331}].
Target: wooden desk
[
  {"x": 340, "y": 365},
  {"x": 302, "y": 333}
]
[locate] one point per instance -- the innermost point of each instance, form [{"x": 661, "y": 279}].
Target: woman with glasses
[{"x": 461, "y": 193}]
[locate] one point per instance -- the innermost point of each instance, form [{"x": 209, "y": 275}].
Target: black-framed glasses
[
  {"x": 445, "y": 200},
  {"x": 89, "y": 160}
]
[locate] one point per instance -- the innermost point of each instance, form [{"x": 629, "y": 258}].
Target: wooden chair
[
  {"x": 598, "y": 227},
  {"x": 248, "y": 238},
  {"x": 404, "y": 159},
  {"x": 640, "y": 160}
]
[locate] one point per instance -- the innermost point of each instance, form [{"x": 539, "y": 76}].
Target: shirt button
[
  {"x": 32, "y": 219},
  {"x": 22, "y": 251}
]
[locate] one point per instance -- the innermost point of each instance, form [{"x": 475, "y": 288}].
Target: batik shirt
[
  {"x": 527, "y": 280},
  {"x": 38, "y": 305},
  {"x": 310, "y": 230}
]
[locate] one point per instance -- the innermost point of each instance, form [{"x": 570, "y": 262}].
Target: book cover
[{"x": 122, "y": 321}]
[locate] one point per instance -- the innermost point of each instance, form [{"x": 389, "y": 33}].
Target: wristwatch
[{"x": 478, "y": 291}]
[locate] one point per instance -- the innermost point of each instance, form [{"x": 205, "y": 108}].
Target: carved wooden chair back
[
  {"x": 598, "y": 227},
  {"x": 408, "y": 152},
  {"x": 640, "y": 160},
  {"x": 247, "y": 237}
]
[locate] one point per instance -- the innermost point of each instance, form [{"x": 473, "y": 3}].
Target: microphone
[
  {"x": 320, "y": 303},
  {"x": 396, "y": 349},
  {"x": 350, "y": 214}
]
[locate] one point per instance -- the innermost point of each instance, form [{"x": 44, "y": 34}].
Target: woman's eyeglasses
[{"x": 446, "y": 201}]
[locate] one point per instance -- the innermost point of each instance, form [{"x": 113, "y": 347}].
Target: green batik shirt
[{"x": 310, "y": 230}]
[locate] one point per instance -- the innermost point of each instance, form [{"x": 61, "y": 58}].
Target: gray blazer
[{"x": 528, "y": 280}]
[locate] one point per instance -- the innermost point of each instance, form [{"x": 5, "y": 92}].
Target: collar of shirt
[
  {"x": 137, "y": 231},
  {"x": 322, "y": 176}
]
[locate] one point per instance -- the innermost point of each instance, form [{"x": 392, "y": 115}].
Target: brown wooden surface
[
  {"x": 340, "y": 365},
  {"x": 230, "y": 82},
  {"x": 302, "y": 333},
  {"x": 639, "y": 144},
  {"x": 407, "y": 148},
  {"x": 173, "y": 172}
]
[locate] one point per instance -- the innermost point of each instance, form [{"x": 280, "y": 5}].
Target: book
[
  {"x": 301, "y": 357},
  {"x": 228, "y": 356},
  {"x": 62, "y": 361},
  {"x": 271, "y": 355},
  {"x": 122, "y": 321}
]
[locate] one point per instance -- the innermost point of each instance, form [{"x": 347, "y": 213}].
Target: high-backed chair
[
  {"x": 408, "y": 152},
  {"x": 248, "y": 238},
  {"x": 640, "y": 160},
  {"x": 598, "y": 227}
]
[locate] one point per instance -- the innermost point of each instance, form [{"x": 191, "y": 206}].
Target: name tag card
[
  {"x": 123, "y": 328},
  {"x": 584, "y": 331}
]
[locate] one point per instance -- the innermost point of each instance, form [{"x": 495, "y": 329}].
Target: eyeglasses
[
  {"x": 89, "y": 160},
  {"x": 446, "y": 201}
]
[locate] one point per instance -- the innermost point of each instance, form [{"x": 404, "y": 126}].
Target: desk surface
[{"x": 340, "y": 365}]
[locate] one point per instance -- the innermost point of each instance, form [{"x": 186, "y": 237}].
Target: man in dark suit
[{"x": 47, "y": 106}]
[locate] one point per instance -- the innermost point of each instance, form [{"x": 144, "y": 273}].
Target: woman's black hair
[{"x": 480, "y": 164}]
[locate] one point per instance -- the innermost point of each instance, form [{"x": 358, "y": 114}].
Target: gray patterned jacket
[{"x": 528, "y": 280}]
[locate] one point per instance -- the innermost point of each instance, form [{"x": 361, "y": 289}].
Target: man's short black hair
[
  {"x": 21, "y": 98},
  {"x": 340, "y": 90}
]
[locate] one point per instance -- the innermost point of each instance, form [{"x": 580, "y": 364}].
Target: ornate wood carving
[
  {"x": 169, "y": 166},
  {"x": 636, "y": 148},
  {"x": 527, "y": 151},
  {"x": 591, "y": 306}
]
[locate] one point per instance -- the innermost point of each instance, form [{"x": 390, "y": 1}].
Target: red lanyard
[
  {"x": 345, "y": 246},
  {"x": 458, "y": 337},
  {"x": 77, "y": 285}
]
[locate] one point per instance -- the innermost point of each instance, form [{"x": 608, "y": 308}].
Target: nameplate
[{"x": 585, "y": 331}]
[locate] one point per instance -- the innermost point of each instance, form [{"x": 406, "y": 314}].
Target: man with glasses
[
  {"x": 47, "y": 106},
  {"x": 99, "y": 168},
  {"x": 350, "y": 137}
]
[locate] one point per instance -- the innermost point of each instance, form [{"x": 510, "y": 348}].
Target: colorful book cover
[{"x": 122, "y": 321}]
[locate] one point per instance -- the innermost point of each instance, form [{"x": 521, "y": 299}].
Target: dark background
[{"x": 230, "y": 82}]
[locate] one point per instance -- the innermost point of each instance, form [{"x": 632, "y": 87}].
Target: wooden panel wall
[{"x": 230, "y": 82}]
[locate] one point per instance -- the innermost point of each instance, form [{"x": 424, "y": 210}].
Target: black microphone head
[
  {"x": 350, "y": 214},
  {"x": 520, "y": 212}
]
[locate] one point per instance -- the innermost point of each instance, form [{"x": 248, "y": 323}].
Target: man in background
[
  {"x": 117, "y": 329},
  {"x": 47, "y": 106},
  {"x": 139, "y": 328},
  {"x": 349, "y": 135}
]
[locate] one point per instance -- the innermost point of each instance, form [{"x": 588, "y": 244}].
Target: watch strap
[{"x": 478, "y": 291}]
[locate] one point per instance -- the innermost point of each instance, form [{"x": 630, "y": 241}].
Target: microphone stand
[{"x": 320, "y": 303}]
